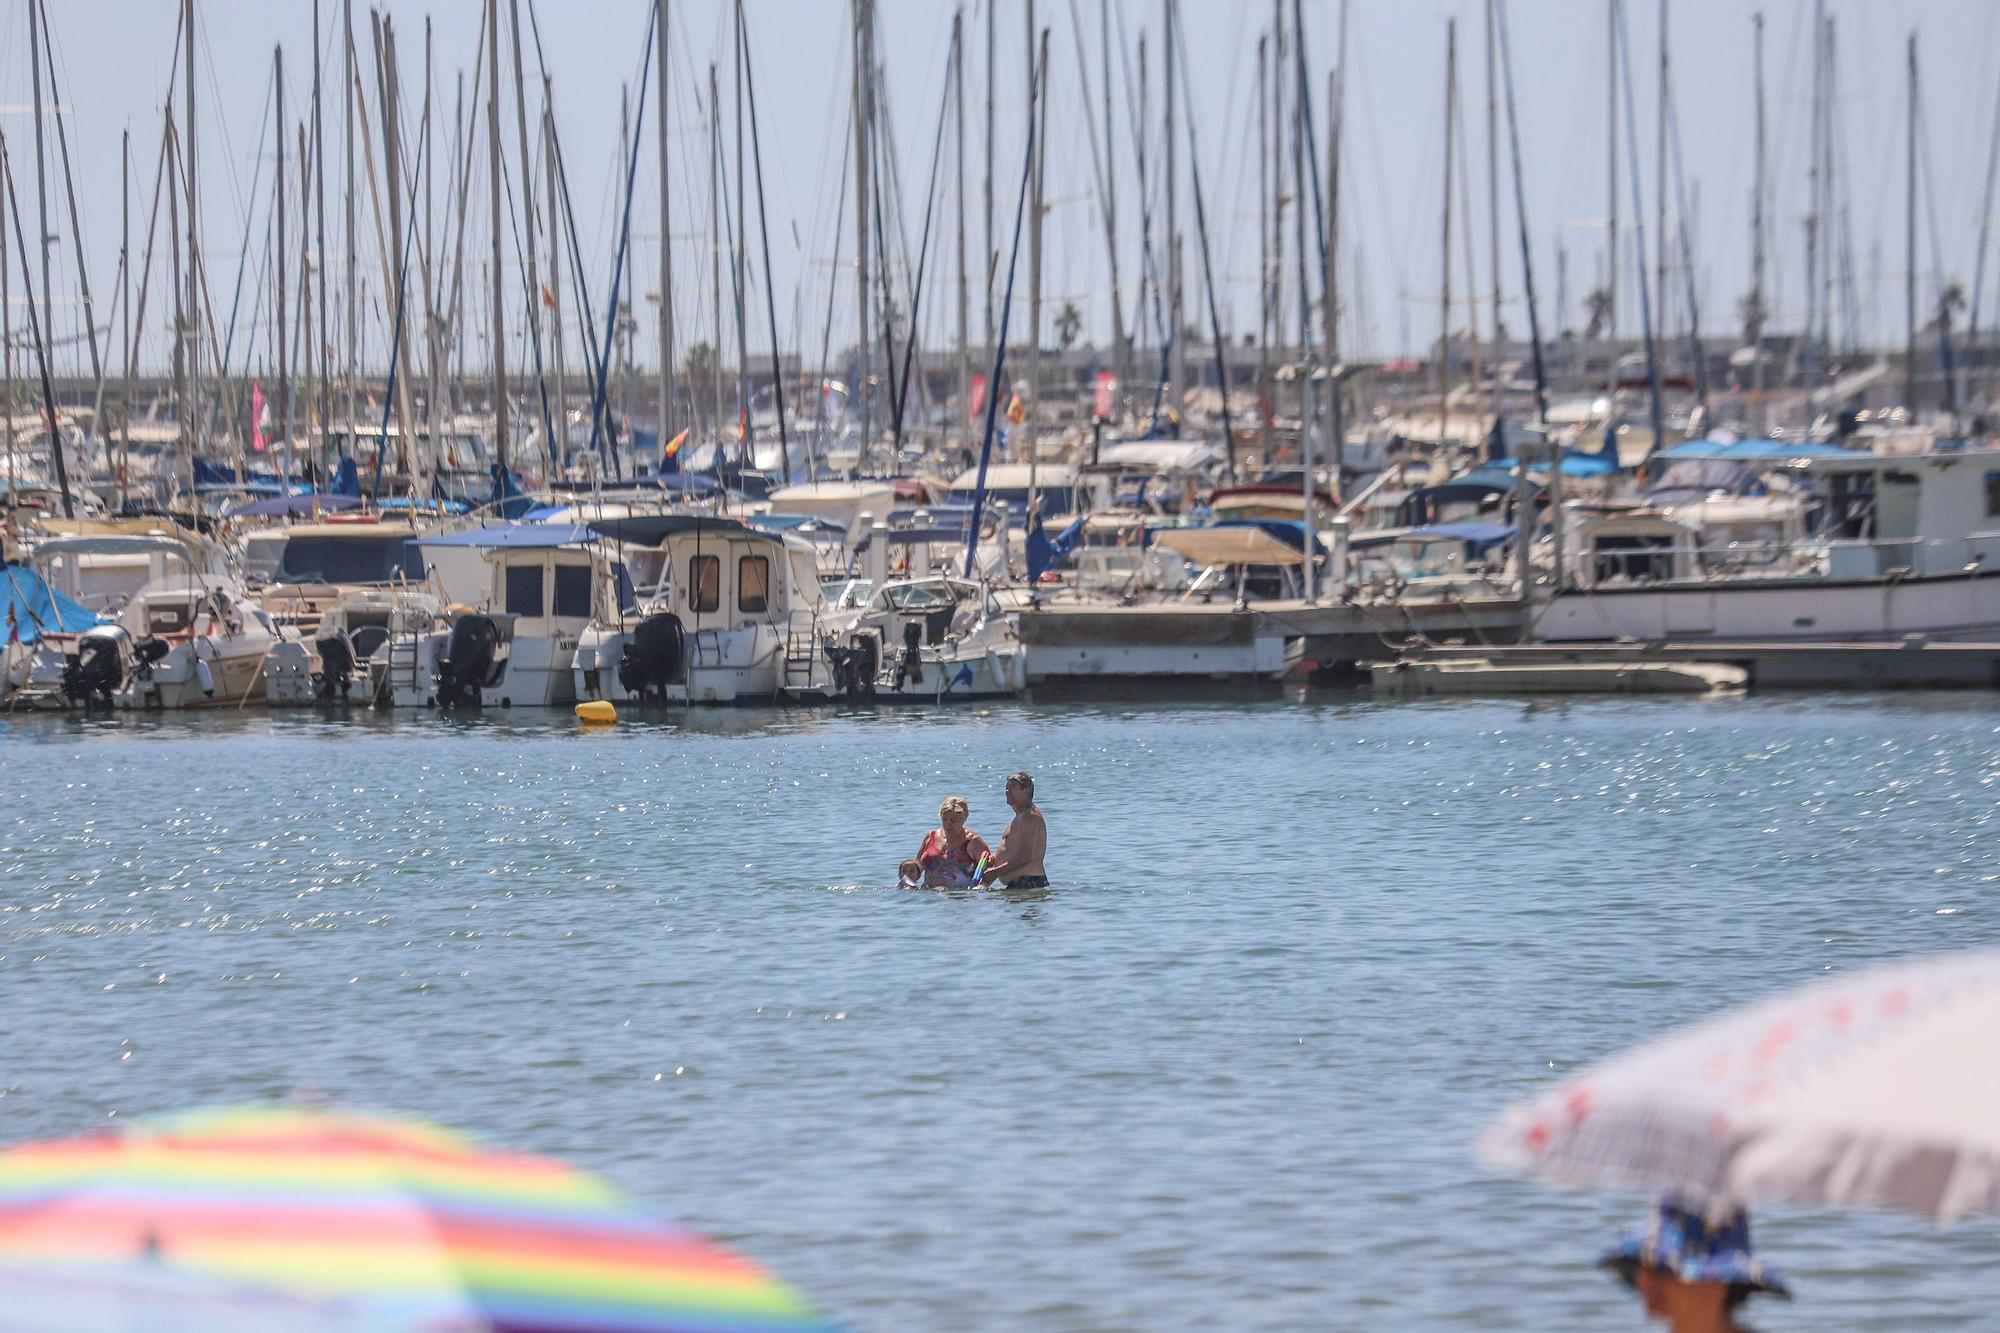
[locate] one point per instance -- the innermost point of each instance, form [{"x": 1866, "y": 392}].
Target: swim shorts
[{"x": 1028, "y": 882}]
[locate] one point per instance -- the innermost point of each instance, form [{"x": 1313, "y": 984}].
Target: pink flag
[
  {"x": 978, "y": 398},
  {"x": 1107, "y": 383},
  {"x": 256, "y": 417}
]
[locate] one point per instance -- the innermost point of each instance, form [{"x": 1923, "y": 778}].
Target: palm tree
[
  {"x": 1598, "y": 304},
  {"x": 1069, "y": 324},
  {"x": 1951, "y": 299}
]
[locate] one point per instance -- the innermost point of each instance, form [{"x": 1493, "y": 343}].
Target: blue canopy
[
  {"x": 1573, "y": 465},
  {"x": 292, "y": 506},
  {"x": 1751, "y": 451},
  {"x": 518, "y": 536},
  {"x": 1478, "y": 534},
  {"x": 33, "y": 608},
  {"x": 403, "y": 503},
  {"x": 241, "y": 488}
]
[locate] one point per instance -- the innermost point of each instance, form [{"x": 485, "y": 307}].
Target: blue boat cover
[
  {"x": 517, "y": 536},
  {"x": 34, "y": 608},
  {"x": 294, "y": 506},
  {"x": 1751, "y": 451}
]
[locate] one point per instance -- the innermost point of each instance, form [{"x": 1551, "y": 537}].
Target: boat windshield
[
  {"x": 933, "y": 595},
  {"x": 372, "y": 558}
]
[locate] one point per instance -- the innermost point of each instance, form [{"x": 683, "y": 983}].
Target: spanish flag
[
  {"x": 1017, "y": 411},
  {"x": 674, "y": 445}
]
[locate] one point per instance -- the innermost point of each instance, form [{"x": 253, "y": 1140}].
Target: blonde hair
[{"x": 952, "y": 803}]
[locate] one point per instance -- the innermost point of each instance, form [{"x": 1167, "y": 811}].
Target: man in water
[{"x": 1025, "y": 842}]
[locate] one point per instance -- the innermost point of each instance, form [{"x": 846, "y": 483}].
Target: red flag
[
  {"x": 256, "y": 417},
  {"x": 1017, "y": 411},
  {"x": 976, "y": 399},
  {"x": 1107, "y": 384},
  {"x": 674, "y": 445}
]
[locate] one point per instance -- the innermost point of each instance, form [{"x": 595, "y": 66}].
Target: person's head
[
  {"x": 1020, "y": 791},
  {"x": 1692, "y": 1267},
  {"x": 952, "y": 814}
]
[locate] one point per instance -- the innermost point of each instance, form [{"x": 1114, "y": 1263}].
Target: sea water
[{"x": 1225, "y": 1074}]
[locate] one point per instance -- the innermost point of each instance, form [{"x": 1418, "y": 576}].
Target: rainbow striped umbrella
[{"x": 406, "y": 1224}]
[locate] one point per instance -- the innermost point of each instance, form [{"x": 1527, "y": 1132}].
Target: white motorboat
[
  {"x": 187, "y": 638},
  {"x": 518, "y": 644},
  {"x": 1900, "y": 545},
  {"x": 927, "y": 640},
  {"x": 718, "y": 613}
]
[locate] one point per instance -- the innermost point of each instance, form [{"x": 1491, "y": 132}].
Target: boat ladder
[{"x": 802, "y": 654}]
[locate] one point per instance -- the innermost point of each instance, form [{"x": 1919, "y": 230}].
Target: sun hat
[{"x": 1696, "y": 1247}]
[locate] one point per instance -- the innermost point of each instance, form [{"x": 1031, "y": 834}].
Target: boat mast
[
  {"x": 1121, "y": 342},
  {"x": 353, "y": 330},
  {"x": 534, "y": 301},
  {"x": 862, "y": 116},
  {"x": 1336, "y": 115},
  {"x": 125, "y": 305},
  {"x": 1757, "y": 232},
  {"x": 1611, "y": 201},
  {"x": 75, "y": 221},
  {"x": 964, "y": 288},
  {"x": 284, "y": 405},
  {"x": 493, "y": 184},
  {"x": 666, "y": 416},
  {"x": 1265, "y": 283},
  {"x": 1028, "y": 428},
  {"x": 1910, "y": 240},
  {"x": 992, "y": 257},
  {"x": 745, "y": 385},
  {"x": 559, "y": 446},
  {"x": 715, "y": 250},
  {"x": 193, "y": 307},
  {"x": 1177, "y": 356},
  {"x": 40, "y": 336},
  {"x": 1444, "y": 299},
  {"x": 1660, "y": 180},
  {"x": 764, "y": 234},
  {"x": 41, "y": 188}
]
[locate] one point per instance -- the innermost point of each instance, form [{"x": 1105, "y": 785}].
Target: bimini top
[
  {"x": 517, "y": 536},
  {"x": 652, "y": 529},
  {"x": 1249, "y": 544}
]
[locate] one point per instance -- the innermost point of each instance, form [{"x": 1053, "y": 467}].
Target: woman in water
[{"x": 950, "y": 856}]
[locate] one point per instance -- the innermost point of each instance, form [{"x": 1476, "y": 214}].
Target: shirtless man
[{"x": 1025, "y": 842}]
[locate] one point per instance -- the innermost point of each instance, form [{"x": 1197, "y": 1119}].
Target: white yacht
[
  {"x": 717, "y": 613},
  {"x": 1894, "y": 546},
  {"x": 188, "y": 637}
]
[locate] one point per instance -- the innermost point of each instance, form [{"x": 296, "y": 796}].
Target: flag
[
  {"x": 1017, "y": 411},
  {"x": 1107, "y": 384},
  {"x": 256, "y": 417},
  {"x": 674, "y": 445},
  {"x": 976, "y": 398},
  {"x": 548, "y": 297}
]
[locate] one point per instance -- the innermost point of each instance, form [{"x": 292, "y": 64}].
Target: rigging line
[
  {"x": 1687, "y": 253},
  {"x": 1938, "y": 289},
  {"x": 535, "y": 344},
  {"x": 1521, "y": 214},
  {"x": 1036, "y": 76},
  {"x": 826, "y": 335},
  {"x": 1639, "y": 235},
  {"x": 923, "y": 254},
  {"x": 624, "y": 237},
  {"x": 1207, "y": 265},
  {"x": 1149, "y": 271},
  {"x": 764, "y": 229}
]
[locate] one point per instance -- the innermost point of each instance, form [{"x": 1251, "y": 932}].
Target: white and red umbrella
[{"x": 1876, "y": 1089}]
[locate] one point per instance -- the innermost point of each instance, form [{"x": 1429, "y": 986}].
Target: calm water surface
[{"x": 1225, "y": 1074}]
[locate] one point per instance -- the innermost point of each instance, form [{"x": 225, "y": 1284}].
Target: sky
[{"x": 115, "y": 61}]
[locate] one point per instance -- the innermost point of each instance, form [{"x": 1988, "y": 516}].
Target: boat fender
[{"x": 204, "y": 675}]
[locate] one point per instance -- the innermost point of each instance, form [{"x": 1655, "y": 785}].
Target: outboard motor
[
  {"x": 97, "y": 670},
  {"x": 654, "y": 657},
  {"x": 473, "y": 661},
  {"x": 336, "y": 665},
  {"x": 856, "y": 667},
  {"x": 910, "y": 661}
]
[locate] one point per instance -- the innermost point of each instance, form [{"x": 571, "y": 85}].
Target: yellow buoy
[{"x": 596, "y": 710}]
